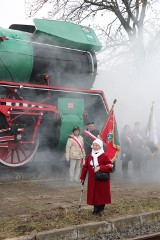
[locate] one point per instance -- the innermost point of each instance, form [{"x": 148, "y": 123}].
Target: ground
[{"x": 36, "y": 205}]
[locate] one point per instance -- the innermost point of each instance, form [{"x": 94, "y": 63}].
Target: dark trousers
[
  {"x": 99, "y": 208},
  {"x": 125, "y": 163},
  {"x": 137, "y": 167}
]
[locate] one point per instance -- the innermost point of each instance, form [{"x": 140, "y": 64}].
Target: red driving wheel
[{"x": 16, "y": 154}]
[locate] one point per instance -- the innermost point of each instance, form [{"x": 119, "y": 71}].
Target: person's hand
[
  {"x": 83, "y": 161},
  {"x": 67, "y": 159},
  {"x": 96, "y": 169},
  {"x": 110, "y": 165},
  {"x": 82, "y": 181}
]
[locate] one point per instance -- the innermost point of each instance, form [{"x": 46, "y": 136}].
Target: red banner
[{"x": 109, "y": 136}]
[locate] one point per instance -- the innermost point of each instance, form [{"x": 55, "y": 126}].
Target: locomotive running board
[{"x": 19, "y": 85}]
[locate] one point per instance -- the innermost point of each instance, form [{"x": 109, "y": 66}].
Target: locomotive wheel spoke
[
  {"x": 4, "y": 153},
  {"x": 12, "y": 156},
  {"x": 21, "y": 149},
  {"x": 19, "y": 154}
]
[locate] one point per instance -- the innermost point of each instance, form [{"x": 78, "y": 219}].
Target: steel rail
[{"x": 153, "y": 236}]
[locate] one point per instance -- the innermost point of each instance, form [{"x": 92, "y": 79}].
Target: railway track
[{"x": 154, "y": 236}]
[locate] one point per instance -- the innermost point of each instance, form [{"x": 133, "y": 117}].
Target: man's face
[
  {"x": 128, "y": 130},
  {"x": 90, "y": 127}
]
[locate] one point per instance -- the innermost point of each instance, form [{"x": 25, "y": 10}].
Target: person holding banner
[
  {"x": 75, "y": 154},
  {"x": 89, "y": 135}
]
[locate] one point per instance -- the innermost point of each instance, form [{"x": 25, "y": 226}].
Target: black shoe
[
  {"x": 94, "y": 212},
  {"x": 97, "y": 213},
  {"x": 101, "y": 213}
]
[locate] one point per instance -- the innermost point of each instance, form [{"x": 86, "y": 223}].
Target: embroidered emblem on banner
[{"x": 109, "y": 136}]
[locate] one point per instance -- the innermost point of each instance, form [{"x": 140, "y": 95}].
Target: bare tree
[
  {"x": 125, "y": 30},
  {"x": 130, "y": 13}
]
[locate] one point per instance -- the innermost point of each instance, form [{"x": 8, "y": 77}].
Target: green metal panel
[
  {"x": 16, "y": 56},
  {"x": 71, "y": 111},
  {"x": 69, "y": 34},
  {"x": 68, "y": 122}
]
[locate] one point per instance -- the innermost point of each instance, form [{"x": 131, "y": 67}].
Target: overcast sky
[{"x": 11, "y": 11}]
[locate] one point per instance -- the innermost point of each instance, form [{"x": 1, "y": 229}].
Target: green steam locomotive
[{"x": 47, "y": 71}]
